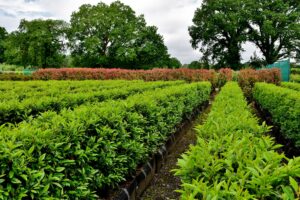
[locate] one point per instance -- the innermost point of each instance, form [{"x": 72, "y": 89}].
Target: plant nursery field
[
  {"x": 85, "y": 139},
  {"x": 75, "y": 139}
]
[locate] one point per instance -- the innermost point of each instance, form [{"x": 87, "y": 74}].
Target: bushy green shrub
[
  {"x": 293, "y": 86},
  {"x": 78, "y": 153},
  {"x": 14, "y": 77},
  {"x": 295, "y": 70},
  {"x": 295, "y": 78},
  {"x": 233, "y": 159},
  {"x": 20, "y": 107},
  {"x": 284, "y": 106}
]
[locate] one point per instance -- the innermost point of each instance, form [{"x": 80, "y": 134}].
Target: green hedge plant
[{"x": 233, "y": 159}]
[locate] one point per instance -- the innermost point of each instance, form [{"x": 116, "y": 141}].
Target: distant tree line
[
  {"x": 97, "y": 36},
  {"x": 113, "y": 35}
]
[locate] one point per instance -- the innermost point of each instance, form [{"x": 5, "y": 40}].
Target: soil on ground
[{"x": 165, "y": 184}]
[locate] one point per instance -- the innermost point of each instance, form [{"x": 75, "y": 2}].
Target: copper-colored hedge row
[
  {"x": 105, "y": 74},
  {"x": 248, "y": 77}
]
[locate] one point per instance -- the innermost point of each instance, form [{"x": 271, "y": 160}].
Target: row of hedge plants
[
  {"x": 283, "y": 104},
  {"x": 293, "y": 86},
  {"x": 19, "y": 90},
  {"x": 79, "y": 154},
  {"x": 15, "y": 111},
  {"x": 295, "y": 78},
  {"x": 248, "y": 77},
  {"x": 216, "y": 78},
  {"x": 233, "y": 159},
  {"x": 14, "y": 77},
  {"x": 105, "y": 74},
  {"x": 295, "y": 70}
]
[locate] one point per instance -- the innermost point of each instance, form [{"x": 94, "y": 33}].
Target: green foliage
[
  {"x": 22, "y": 102},
  {"x": 284, "y": 106},
  {"x": 16, "y": 76},
  {"x": 7, "y": 67},
  {"x": 113, "y": 36},
  {"x": 220, "y": 27},
  {"x": 198, "y": 65},
  {"x": 174, "y": 63},
  {"x": 293, "y": 86},
  {"x": 295, "y": 78},
  {"x": 76, "y": 153},
  {"x": 219, "y": 30},
  {"x": 3, "y": 35},
  {"x": 233, "y": 159},
  {"x": 274, "y": 27},
  {"x": 38, "y": 43},
  {"x": 295, "y": 70}
]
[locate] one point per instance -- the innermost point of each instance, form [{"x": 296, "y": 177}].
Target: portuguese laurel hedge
[
  {"x": 295, "y": 70},
  {"x": 295, "y": 78},
  {"x": 233, "y": 159},
  {"x": 284, "y": 106},
  {"x": 77, "y": 154},
  {"x": 56, "y": 98},
  {"x": 293, "y": 86}
]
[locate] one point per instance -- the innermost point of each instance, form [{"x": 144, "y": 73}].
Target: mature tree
[
  {"x": 256, "y": 62},
  {"x": 113, "y": 36},
  {"x": 3, "y": 35},
  {"x": 174, "y": 63},
  {"x": 274, "y": 26},
  {"x": 297, "y": 53},
  {"x": 219, "y": 29},
  {"x": 38, "y": 43},
  {"x": 198, "y": 65},
  {"x": 194, "y": 65}
]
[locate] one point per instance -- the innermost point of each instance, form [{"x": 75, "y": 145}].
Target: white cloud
[{"x": 172, "y": 17}]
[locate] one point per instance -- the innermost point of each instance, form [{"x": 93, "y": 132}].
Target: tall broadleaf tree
[
  {"x": 113, "y": 36},
  {"x": 39, "y": 43},
  {"x": 3, "y": 36},
  {"x": 274, "y": 27},
  {"x": 219, "y": 29}
]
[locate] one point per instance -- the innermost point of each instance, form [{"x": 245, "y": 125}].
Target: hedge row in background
[
  {"x": 217, "y": 79},
  {"x": 77, "y": 154},
  {"x": 284, "y": 106},
  {"x": 14, "y": 110},
  {"x": 293, "y": 86},
  {"x": 295, "y": 70},
  {"x": 21, "y": 90},
  {"x": 248, "y": 77},
  {"x": 105, "y": 74},
  {"x": 295, "y": 78},
  {"x": 233, "y": 159},
  {"x": 14, "y": 77}
]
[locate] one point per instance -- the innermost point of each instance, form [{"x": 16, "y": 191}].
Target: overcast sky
[{"x": 172, "y": 17}]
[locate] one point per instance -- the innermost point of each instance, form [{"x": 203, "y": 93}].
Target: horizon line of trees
[
  {"x": 97, "y": 36},
  {"x": 112, "y": 35}
]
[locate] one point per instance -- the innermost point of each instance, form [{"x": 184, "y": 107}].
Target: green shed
[{"x": 285, "y": 68}]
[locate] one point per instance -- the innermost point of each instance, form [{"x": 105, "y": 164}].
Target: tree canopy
[
  {"x": 3, "y": 35},
  {"x": 37, "y": 43},
  {"x": 274, "y": 27},
  {"x": 221, "y": 27},
  {"x": 219, "y": 30},
  {"x": 113, "y": 36},
  {"x": 174, "y": 63}
]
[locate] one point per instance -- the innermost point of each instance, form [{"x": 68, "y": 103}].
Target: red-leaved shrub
[
  {"x": 107, "y": 74},
  {"x": 224, "y": 75},
  {"x": 248, "y": 77}
]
